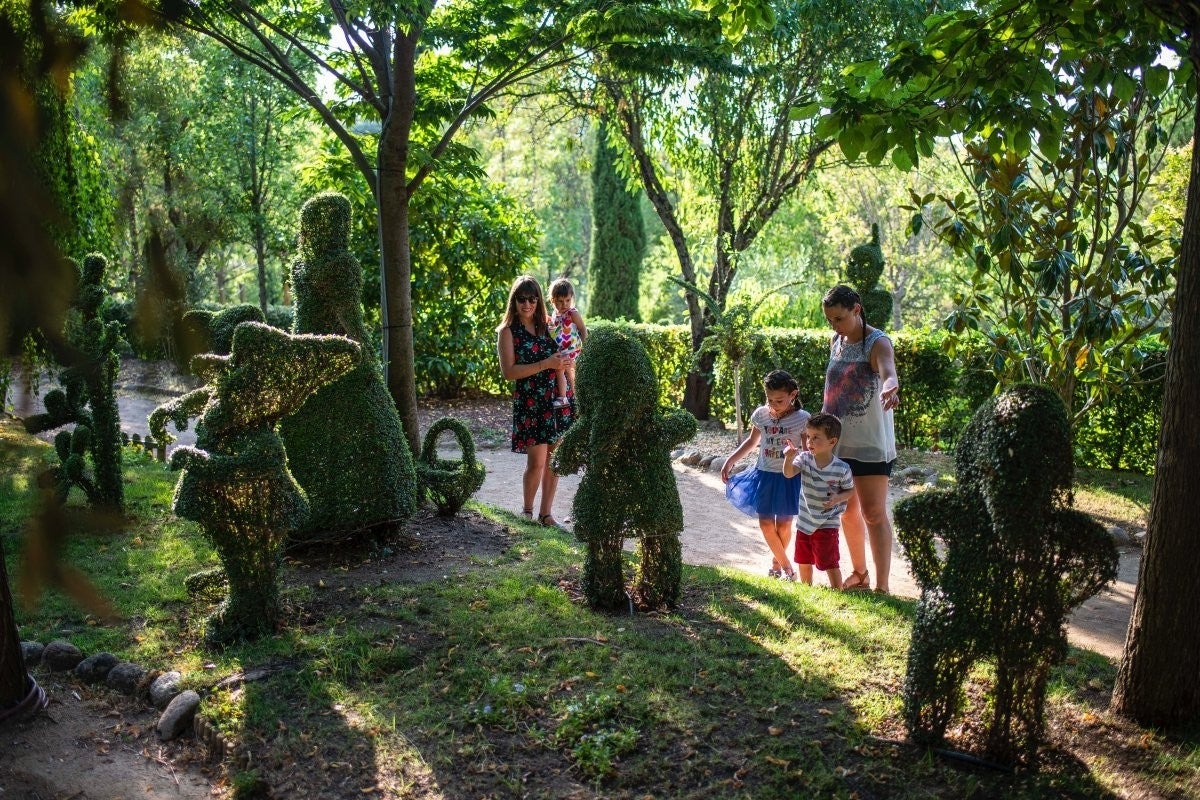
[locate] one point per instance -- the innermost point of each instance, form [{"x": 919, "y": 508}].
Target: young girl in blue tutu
[{"x": 763, "y": 491}]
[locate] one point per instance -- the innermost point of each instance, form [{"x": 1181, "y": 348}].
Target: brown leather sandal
[{"x": 861, "y": 581}]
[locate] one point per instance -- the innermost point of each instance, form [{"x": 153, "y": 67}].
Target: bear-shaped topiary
[
  {"x": 449, "y": 482},
  {"x": 622, "y": 440},
  {"x": 1016, "y": 560},
  {"x": 235, "y": 481},
  {"x": 88, "y": 399},
  {"x": 346, "y": 446},
  {"x": 864, "y": 268}
]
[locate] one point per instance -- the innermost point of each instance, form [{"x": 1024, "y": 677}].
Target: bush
[
  {"x": 449, "y": 483},
  {"x": 345, "y": 445}
]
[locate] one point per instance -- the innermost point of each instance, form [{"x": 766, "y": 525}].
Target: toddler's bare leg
[
  {"x": 806, "y": 573},
  {"x": 835, "y": 578}
]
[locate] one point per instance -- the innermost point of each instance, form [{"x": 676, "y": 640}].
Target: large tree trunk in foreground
[
  {"x": 12, "y": 662},
  {"x": 1159, "y": 679}
]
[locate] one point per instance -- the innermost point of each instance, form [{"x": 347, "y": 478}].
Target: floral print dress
[{"x": 535, "y": 419}]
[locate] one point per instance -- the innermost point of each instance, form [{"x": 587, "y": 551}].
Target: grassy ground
[{"x": 393, "y": 679}]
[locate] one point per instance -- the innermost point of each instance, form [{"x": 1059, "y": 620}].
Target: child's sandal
[{"x": 857, "y": 581}]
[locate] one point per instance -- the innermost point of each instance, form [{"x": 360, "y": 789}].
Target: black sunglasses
[{"x": 526, "y": 298}]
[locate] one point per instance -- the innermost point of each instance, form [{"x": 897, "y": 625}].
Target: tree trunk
[
  {"x": 260, "y": 257},
  {"x": 1157, "y": 682},
  {"x": 12, "y": 661},
  {"x": 395, "y": 274}
]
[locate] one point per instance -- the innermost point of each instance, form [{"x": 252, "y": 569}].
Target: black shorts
[{"x": 870, "y": 467}]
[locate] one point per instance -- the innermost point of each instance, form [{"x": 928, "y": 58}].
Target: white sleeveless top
[
  {"x": 852, "y": 395},
  {"x": 773, "y": 436}
]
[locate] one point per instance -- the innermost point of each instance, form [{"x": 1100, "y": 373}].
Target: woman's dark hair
[
  {"x": 777, "y": 380},
  {"x": 841, "y": 295},
  {"x": 526, "y": 285}
]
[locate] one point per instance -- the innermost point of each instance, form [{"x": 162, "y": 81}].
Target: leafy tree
[
  {"x": 618, "y": 237},
  {"x": 723, "y": 123},
  {"x": 462, "y": 55},
  {"x": 993, "y": 75}
]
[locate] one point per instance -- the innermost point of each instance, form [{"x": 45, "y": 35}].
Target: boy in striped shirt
[{"x": 826, "y": 485}]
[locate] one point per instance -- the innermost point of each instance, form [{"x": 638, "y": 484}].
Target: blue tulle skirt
[{"x": 764, "y": 494}]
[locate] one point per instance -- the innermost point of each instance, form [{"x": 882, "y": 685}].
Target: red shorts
[{"x": 819, "y": 548}]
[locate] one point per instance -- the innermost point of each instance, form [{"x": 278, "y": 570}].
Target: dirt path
[{"x": 716, "y": 535}]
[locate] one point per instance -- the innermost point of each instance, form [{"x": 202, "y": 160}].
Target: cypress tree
[{"x": 618, "y": 238}]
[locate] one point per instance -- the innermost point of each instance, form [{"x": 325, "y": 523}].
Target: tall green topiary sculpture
[
  {"x": 1017, "y": 560},
  {"x": 864, "y": 268},
  {"x": 623, "y": 441},
  {"x": 449, "y": 482},
  {"x": 88, "y": 400},
  {"x": 345, "y": 446},
  {"x": 235, "y": 481}
]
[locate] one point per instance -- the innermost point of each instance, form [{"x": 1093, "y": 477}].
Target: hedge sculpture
[
  {"x": 622, "y": 440},
  {"x": 345, "y": 446},
  {"x": 864, "y": 268},
  {"x": 235, "y": 481},
  {"x": 1017, "y": 560},
  {"x": 212, "y": 331},
  {"x": 87, "y": 399},
  {"x": 449, "y": 483}
]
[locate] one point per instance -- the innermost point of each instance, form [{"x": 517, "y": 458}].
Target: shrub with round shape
[
  {"x": 345, "y": 446},
  {"x": 235, "y": 481},
  {"x": 449, "y": 482},
  {"x": 1016, "y": 560},
  {"x": 622, "y": 440}
]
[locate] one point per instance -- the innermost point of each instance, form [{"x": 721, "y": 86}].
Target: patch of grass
[{"x": 500, "y": 683}]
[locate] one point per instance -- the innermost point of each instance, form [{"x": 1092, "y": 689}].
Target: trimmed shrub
[
  {"x": 864, "y": 268},
  {"x": 87, "y": 399},
  {"x": 212, "y": 331},
  {"x": 1016, "y": 560},
  {"x": 345, "y": 445},
  {"x": 449, "y": 483},
  {"x": 622, "y": 440},
  {"x": 618, "y": 237},
  {"x": 235, "y": 481}
]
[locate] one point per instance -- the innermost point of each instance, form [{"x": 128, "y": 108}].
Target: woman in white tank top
[{"x": 861, "y": 389}]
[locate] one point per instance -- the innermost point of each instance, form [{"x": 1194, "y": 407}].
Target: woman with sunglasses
[{"x": 530, "y": 356}]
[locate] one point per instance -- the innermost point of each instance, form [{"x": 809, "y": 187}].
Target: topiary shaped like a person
[
  {"x": 212, "y": 331},
  {"x": 346, "y": 446},
  {"x": 88, "y": 400},
  {"x": 622, "y": 440},
  {"x": 1016, "y": 560},
  {"x": 235, "y": 481},
  {"x": 864, "y": 268}
]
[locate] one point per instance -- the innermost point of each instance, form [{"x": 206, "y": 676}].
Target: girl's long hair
[
  {"x": 526, "y": 284},
  {"x": 777, "y": 380}
]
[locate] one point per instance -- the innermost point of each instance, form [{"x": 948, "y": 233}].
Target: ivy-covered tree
[{"x": 618, "y": 237}]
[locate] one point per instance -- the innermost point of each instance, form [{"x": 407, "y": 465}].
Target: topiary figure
[
  {"x": 345, "y": 446},
  {"x": 449, "y": 483},
  {"x": 622, "y": 440},
  {"x": 212, "y": 331},
  {"x": 1017, "y": 560},
  {"x": 864, "y": 268},
  {"x": 87, "y": 399},
  {"x": 235, "y": 481}
]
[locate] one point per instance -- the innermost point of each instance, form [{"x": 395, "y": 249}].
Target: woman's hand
[
  {"x": 890, "y": 396},
  {"x": 556, "y": 361}
]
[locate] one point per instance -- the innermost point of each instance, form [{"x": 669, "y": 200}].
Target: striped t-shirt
[{"x": 818, "y": 484}]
